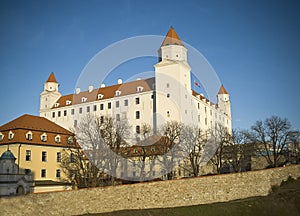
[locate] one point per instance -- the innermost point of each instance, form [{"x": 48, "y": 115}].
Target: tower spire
[
  {"x": 172, "y": 38},
  {"x": 51, "y": 78},
  {"x": 222, "y": 90}
]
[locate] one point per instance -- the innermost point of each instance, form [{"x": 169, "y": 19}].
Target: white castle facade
[{"x": 154, "y": 101}]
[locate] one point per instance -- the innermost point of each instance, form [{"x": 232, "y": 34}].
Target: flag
[{"x": 196, "y": 83}]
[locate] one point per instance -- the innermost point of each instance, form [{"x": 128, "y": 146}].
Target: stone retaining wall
[{"x": 162, "y": 194}]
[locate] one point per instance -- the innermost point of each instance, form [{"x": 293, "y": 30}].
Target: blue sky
[{"x": 252, "y": 45}]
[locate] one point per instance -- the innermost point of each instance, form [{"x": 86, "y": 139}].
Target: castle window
[
  {"x": 123, "y": 115},
  {"x": 65, "y": 112},
  {"x": 1, "y": 136},
  {"x": 72, "y": 158},
  {"x": 117, "y": 104},
  {"x": 53, "y": 114},
  {"x": 198, "y": 118},
  {"x": 118, "y": 93},
  {"x": 168, "y": 95},
  {"x": 126, "y": 102},
  {"x": 59, "y": 113},
  {"x": 137, "y": 100},
  {"x": 58, "y": 157},
  {"x": 101, "y": 119},
  {"x": 58, "y": 173},
  {"x": 87, "y": 109},
  {"x": 168, "y": 113},
  {"x": 11, "y": 135},
  {"x": 138, "y": 129},
  {"x": 28, "y": 155},
  {"x": 75, "y": 123},
  {"x": 28, "y": 135},
  {"x": 57, "y": 139},
  {"x": 101, "y": 106},
  {"x": 44, "y": 137},
  {"x": 43, "y": 173},
  {"x": 100, "y": 96},
  {"x": 198, "y": 105},
  {"x": 139, "y": 89},
  {"x": 56, "y": 104},
  {"x": 95, "y": 108},
  {"x": 168, "y": 85},
  {"x": 68, "y": 102},
  {"x": 109, "y": 105},
  {"x": 137, "y": 115},
  {"x": 118, "y": 117},
  {"x": 83, "y": 99},
  {"x": 205, "y": 121},
  {"x": 80, "y": 110},
  {"x": 44, "y": 156},
  {"x": 72, "y": 111}
]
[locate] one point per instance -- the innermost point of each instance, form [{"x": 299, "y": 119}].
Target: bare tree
[
  {"x": 240, "y": 151},
  {"x": 192, "y": 144},
  {"x": 102, "y": 139},
  {"x": 273, "y": 134},
  {"x": 79, "y": 170},
  {"x": 294, "y": 147},
  {"x": 169, "y": 148},
  {"x": 145, "y": 152},
  {"x": 222, "y": 140}
]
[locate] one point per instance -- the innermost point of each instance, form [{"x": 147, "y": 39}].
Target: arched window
[
  {"x": 28, "y": 135},
  {"x": 11, "y": 135},
  {"x": 44, "y": 137},
  {"x": 57, "y": 139}
]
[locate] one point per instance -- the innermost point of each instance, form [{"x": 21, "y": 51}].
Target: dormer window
[
  {"x": 11, "y": 135},
  {"x": 83, "y": 99},
  {"x": 118, "y": 93},
  {"x": 44, "y": 137},
  {"x": 68, "y": 102},
  {"x": 70, "y": 140},
  {"x": 100, "y": 96},
  {"x": 56, "y": 104},
  {"x": 28, "y": 135},
  {"x": 57, "y": 139},
  {"x": 1, "y": 136},
  {"x": 139, "y": 89}
]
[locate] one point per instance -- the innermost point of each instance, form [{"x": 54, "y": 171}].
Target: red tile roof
[
  {"x": 38, "y": 126},
  {"x": 51, "y": 78},
  {"x": 222, "y": 90},
  {"x": 108, "y": 92},
  {"x": 172, "y": 38},
  {"x": 30, "y": 122}
]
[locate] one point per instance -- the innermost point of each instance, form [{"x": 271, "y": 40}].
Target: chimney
[
  {"x": 102, "y": 85},
  {"x": 77, "y": 90},
  {"x": 120, "y": 81},
  {"x": 91, "y": 88}
]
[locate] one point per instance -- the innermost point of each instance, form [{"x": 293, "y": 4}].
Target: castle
[{"x": 165, "y": 97}]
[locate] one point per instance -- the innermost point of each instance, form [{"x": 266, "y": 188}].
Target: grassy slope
[{"x": 284, "y": 201}]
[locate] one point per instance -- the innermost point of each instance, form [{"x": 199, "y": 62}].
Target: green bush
[{"x": 289, "y": 180}]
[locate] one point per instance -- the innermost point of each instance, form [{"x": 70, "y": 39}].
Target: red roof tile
[
  {"x": 51, "y": 78},
  {"x": 222, "y": 90},
  {"x": 172, "y": 38}
]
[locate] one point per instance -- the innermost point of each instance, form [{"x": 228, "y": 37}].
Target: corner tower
[
  {"x": 50, "y": 94},
  {"x": 173, "y": 82}
]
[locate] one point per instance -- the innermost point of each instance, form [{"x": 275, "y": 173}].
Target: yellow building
[{"x": 37, "y": 144}]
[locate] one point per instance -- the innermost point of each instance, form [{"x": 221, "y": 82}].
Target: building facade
[
  {"x": 154, "y": 101},
  {"x": 37, "y": 144}
]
